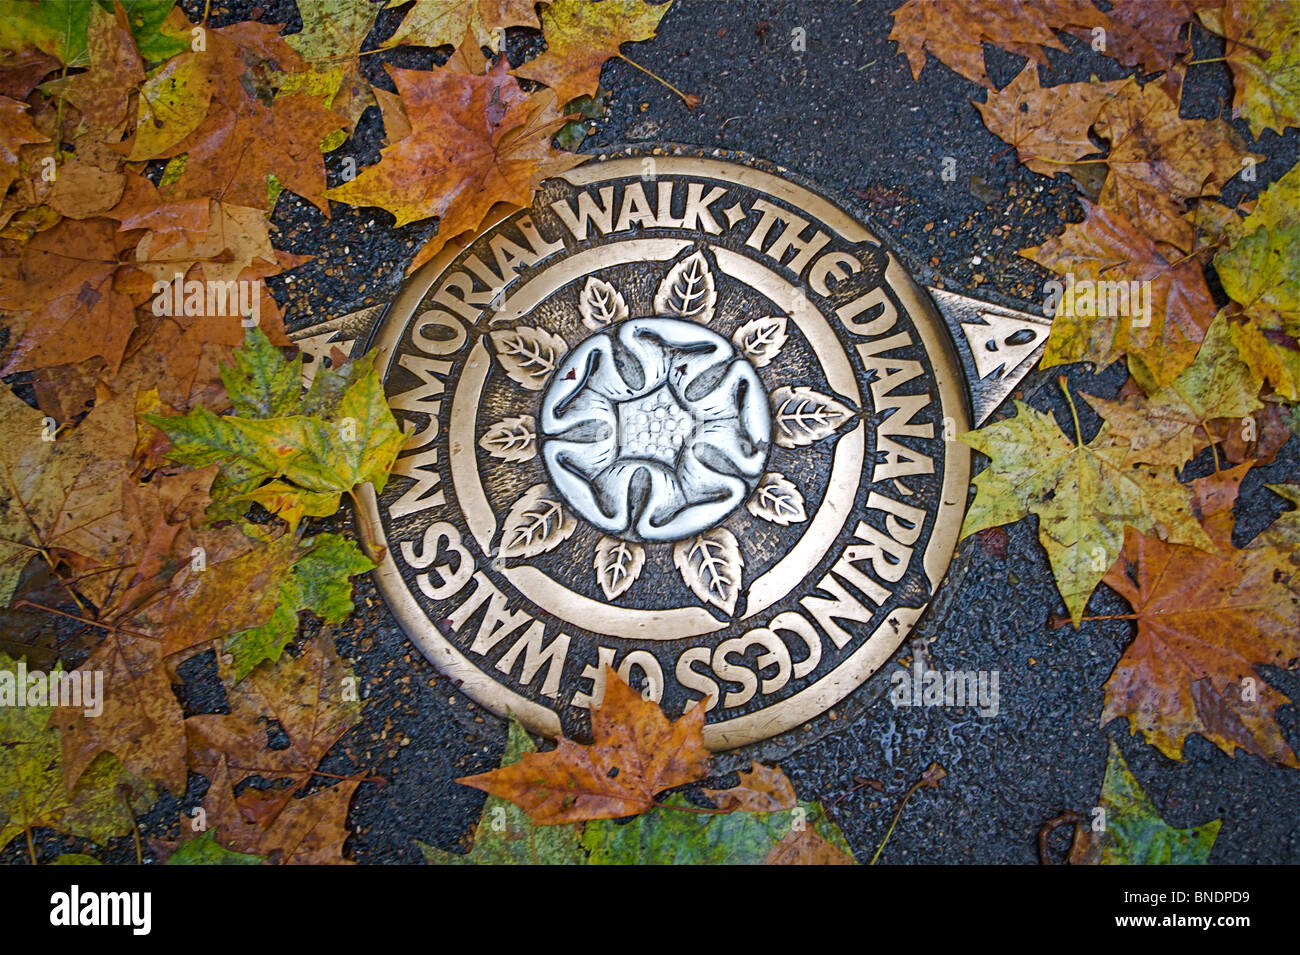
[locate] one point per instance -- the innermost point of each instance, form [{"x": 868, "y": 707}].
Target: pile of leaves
[
  {"x": 161, "y": 459},
  {"x": 1120, "y": 508}
]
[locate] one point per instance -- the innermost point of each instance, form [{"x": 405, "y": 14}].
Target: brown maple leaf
[
  {"x": 16, "y": 130},
  {"x": 1150, "y": 32},
  {"x": 760, "y": 789},
  {"x": 1205, "y": 622},
  {"x": 1047, "y": 125},
  {"x": 102, "y": 93},
  {"x": 1108, "y": 247},
  {"x": 475, "y": 141},
  {"x": 64, "y": 277},
  {"x": 635, "y": 754},
  {"x": 304, "y": 695},
  {"x": 803, "y": 846},
  {"x": 1157, "y": 159},
  {"x": 953, "y": 31}
]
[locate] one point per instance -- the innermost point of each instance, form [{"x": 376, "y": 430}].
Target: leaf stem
[
  {"x": 1208, "y": 59},
  {"x": 1065, "y": 387},
  {"x": 690, "y": 99},
  {"x": 894, "y": 822}
]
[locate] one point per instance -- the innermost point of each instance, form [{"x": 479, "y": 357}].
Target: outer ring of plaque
[{"x": 876, "y": 650}]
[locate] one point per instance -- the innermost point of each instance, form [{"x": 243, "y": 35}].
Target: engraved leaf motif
[
  {"x": 528, "y": 354},
  {"x": 711, "y": 565},
  {"x": 618, "y": 564},
  {"x": 688, "y": 291},
  {"x": 601, "y": 304},
  {"x": 777, "y": 500},
  {"x": 762, "y": 339},
  {"x": 511, "y": 439},
  {"x": 804, "y": 416},
  {"x": 536, "y": 524}
]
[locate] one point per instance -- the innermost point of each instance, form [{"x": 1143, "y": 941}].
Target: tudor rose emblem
[{"x": 686, "y": 418}]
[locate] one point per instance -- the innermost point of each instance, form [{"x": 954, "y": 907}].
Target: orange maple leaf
[
  {"x": 1205, "y": 622},
  {"x": 635, "y": 754},
  {"x": 475, "y": 141}
]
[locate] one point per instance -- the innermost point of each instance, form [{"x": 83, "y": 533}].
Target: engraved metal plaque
[{"x": 688, "y": 418}]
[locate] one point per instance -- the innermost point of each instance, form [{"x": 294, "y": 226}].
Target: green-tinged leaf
[
  {"x": 58, "y": 27},
  {"x": 319, "y": 455},
  {"x": 261, "y": 384},
  {"x": 504, "y": 834},
  {"x": 1261, "y": 270},
  {"x": 1134, "y": 832},
  {"x": 173, "y": 101},
  {"x": 1263, "y": 50},
  {"x": 681, "y": 836},
  {"x": 1170, "y": 425},
  {"x": 1083, "y": 495},
  {"x": 333, "y": 32},
  {"x": 76, "y": 858},
  {"x": 320, "y": 582},
  {"x": 32, "y": 790},
  {"x": 205, "y": 850}
]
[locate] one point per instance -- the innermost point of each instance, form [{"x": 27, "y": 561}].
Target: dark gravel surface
[{"x": 847, "y": 114}]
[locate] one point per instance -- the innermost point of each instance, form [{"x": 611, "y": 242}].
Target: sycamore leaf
[
  {"x": 15, "y": 130},
  {"x": 309, "y": 830},
  {"x": 306, "y": 695},
  {"x": 635, "y": 754},
  {"x": 103, "y": 93},
  {"x": 676, "y": 834},
  {"x": 1084, "y": 496},
  {"x": 1173, "y": 423},
  {"x": 173, "y": 101},
  {"x": 320, "y": 456},
  {"x": 1271, "y": 353},
  {"x": 319, "y": 581},
  {"x": 806, "y": 846},
  {"x": 261, "y": 384},
  {"x": 445, "y": 22},
  {"x": 760, "y": 789},
  {"x": 32, "y": 788},
  {"x": 61, "y": 493},
  {"x": 505, "y": 835},
  {"x": 1135, "y": 833},
  {"x": 1158, "y": 159},
  {"x": 581, "y": 36},
  {"x": 1205, "y": 622},
  {"x": 59, "y": 27},
  {"x": 953, "y": 31},
  {"x": 204, "y": 849},
  {"x": 1152, "y": 34},
  {"x": 1110, "y": 249},
  {"x": 65, "y": 279},
  {"x": 1259, "y": 271},
  {"x": 1263, "y": 51},
  {"x": 475, "y": 141},
  {"x": 330, "y": 41},
  {"x": 1047, "y": 125}
]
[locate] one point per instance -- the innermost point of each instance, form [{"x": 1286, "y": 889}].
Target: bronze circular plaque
[{"x": 683, "y": 417}]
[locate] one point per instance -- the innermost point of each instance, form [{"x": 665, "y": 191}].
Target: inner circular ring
[{"x": 655, "y": 429}]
